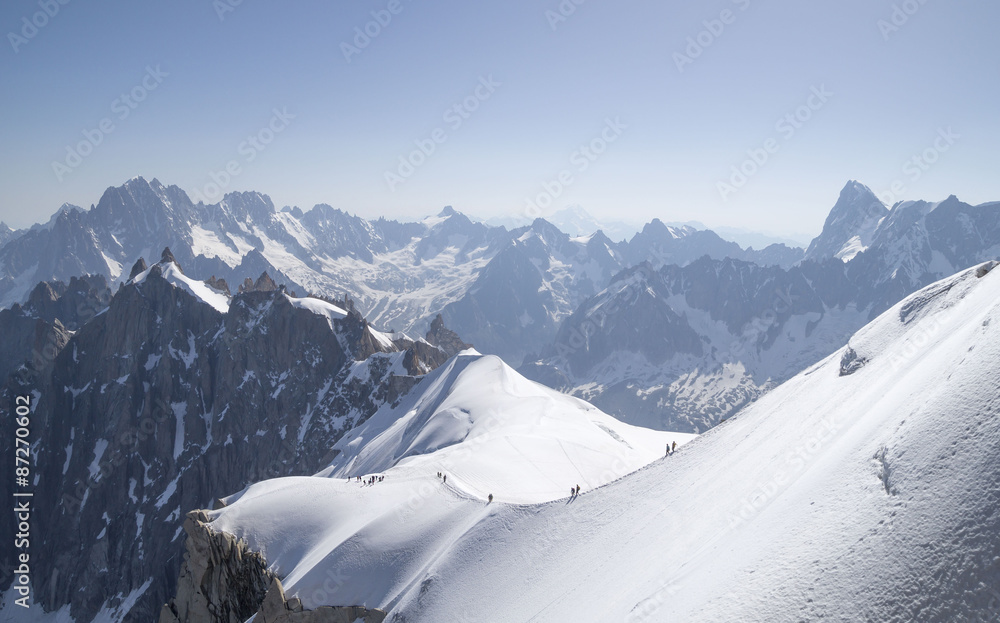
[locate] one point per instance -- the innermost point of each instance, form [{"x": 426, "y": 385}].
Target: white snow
[
  {"x": 199, "y": 289},
  {"x": 69, "y": 455},
  {"x": 94, "y": 468},
  {"x": 866, "y": 496},
  {"x": 180, "y": 410},
  {"x": 319, "y": 307},
  {"x": 207, "y": 243},
  {"x": 492, "y": 430},
  {"x": 851, "y": 248}
]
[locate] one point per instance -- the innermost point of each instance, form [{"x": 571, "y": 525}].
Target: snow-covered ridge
[
  {"x": 865, "y": 488},
  {"x": 477, "y": 422},
  {"x": 199, "y": 289},
  {"x": 319, "y": 307},
  {"x": 531, "y": 442}
]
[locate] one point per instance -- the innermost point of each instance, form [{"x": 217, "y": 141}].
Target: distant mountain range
[
  {"x": 683, "y": 346},
  {"x": 576, "y": 221},
  {"x": 398, "y": 274},
  {"x": 675, "y": 327}
]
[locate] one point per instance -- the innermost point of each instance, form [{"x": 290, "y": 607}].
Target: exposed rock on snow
[{"x": 222, "y": 581}]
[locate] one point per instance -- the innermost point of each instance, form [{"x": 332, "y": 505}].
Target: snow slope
[
  {"x": 864, "y": 489},
  {"x": 493, "y": 431}
]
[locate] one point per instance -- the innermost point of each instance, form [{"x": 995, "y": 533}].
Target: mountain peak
[
  {"x": 137, "y": 269},
  {"x": 851, "y": 224},
  {"x": 167, "y": 256},
  {"x": 447, "y": 211}
]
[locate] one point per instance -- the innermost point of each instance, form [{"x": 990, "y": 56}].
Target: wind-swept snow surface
[{"x": 867, "y": 488}]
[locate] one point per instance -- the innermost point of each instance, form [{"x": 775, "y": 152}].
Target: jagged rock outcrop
[
  {"x": 444, "y": 338},
  {"x": 137, "y": 268},
  {"x": 221, "y": 580},
  {"x": 219, "y": 285},
  {"x": 224, "y": 581},
  {"x": 73, "y": 304},
  {"x": 264, "y": 283},
  {"x": 167, "y": 257}
]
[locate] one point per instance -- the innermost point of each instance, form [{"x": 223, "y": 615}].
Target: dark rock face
[
  {"x": 634, "y": 322},
  {"x": 160, "y": 404},
  {"x": 137, "y": 268},
  {"x": 73, "y": 304},
  {"x": 28, "y": 344},
  {"x": 444, "y": 338},
  {"x": 32, "y": 335}
]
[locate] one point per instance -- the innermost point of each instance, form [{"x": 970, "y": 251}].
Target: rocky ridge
[{"x": 160, "y": 403}]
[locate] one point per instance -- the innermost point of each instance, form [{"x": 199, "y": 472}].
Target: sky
[{"x": 741, "y": 113}]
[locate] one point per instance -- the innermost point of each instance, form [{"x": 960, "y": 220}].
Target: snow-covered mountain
[
  {"x": 6, "y": 233},
  {"x": 850, "y": 226},
  {"x": 919, "y": 242},
  {"x": 536, "y": 280},
  {"x": 865, "y": 488},
  {"x": 170, "y": 393},
  {"x": 394, "y": 271},
  {"x": 575, "y": 221},
  {"x": 541, "y": 277},
  {"x": 759, "y": 240},
  {"x": 685, "y": 346},
  {"x": 399, "y": 275}
]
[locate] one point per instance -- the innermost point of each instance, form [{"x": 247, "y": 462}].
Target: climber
[{"x": 491, "y": 498}]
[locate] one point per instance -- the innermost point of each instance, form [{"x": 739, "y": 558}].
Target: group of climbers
[{"x": 370, "y": 480}]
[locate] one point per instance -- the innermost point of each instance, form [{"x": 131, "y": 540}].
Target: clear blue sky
[{"x": 892, "y": 90}]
